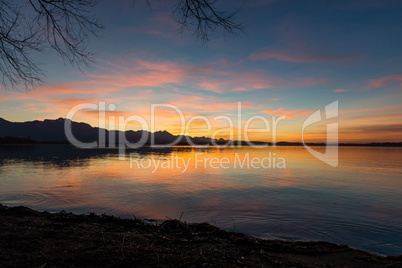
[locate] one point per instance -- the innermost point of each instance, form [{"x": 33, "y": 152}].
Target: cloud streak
[
  {"x": 220, "y": 77},
  {"x": 383, "y": 81},
  {"x": 297, "y": 56},
  {"x": 289, "y": 113}
]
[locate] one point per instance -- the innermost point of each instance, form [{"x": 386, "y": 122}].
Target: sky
[{"x": 292, "y": 59}]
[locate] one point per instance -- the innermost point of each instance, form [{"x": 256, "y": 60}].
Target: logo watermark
[
  {"x": 235, "y": 126},
  {"x": 238, "y": 131},
  {"x": 201, "y": 160},
  {"x": 330, "y": 156}
]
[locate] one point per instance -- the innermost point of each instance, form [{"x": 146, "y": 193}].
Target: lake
[{"x": 281, "y": 193}]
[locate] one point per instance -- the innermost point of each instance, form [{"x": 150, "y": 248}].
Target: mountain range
[{"x": 52, "y": 131}]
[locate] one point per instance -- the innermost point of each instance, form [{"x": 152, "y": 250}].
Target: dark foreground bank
[{"x": 29, "y": 238}]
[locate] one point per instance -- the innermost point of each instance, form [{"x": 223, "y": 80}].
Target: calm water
[{"x": 357, "y": 203}]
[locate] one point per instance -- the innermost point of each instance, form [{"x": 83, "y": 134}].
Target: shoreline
[
  {"x": 42, "y": 239},
  {"x": 244, "y": 144}
]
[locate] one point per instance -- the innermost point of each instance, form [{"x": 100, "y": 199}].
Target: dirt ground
[{"x": 29, "y": 238}]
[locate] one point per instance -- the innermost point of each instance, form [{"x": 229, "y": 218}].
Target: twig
[
  {"x": 181, "y": 215},
  {"x": 214, "y": 222}
]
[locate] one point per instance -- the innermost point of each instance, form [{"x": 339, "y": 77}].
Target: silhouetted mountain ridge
[{"x": 52, "y": 131}]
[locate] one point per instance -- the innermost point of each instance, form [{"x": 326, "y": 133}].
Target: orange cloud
[
  {"x": 96, "y": 113},
  {"x": 139, "y": 73},
  {"x": 38, "y": 108},
  {"x": 213, "y": 77},
  {"x": 71, "y": 102},
  {"x": 381, "y": 82},
  {"x": 51, "y": 94}
]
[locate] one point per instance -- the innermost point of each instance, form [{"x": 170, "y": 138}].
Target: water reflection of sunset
[{"x": 307, "y": 191}]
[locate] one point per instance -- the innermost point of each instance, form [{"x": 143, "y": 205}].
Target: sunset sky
[{"x": 294, "y": 58}]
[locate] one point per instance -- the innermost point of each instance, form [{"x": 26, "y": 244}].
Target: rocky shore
[{"x": 30, "y": 238}]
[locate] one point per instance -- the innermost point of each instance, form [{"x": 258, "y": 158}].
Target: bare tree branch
[
  {"x": 29, "y": 26},
  {"x": 34, "y": 26},
  {"x": 203, "y": 17},
  {"x": 16, "y": 42}
]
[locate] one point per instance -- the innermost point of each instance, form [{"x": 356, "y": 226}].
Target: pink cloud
[
  {"x": 242, "y": 82},
  {"x": 209, "y": 77},
  {"x": 296, "y": 55},
  {"x": 218, "y": 77},
  {"x": 37, "y": 108},
  {"x": 307, "y": 81},
  {"x": 141, "y": 73},
  {"x": 340, "y": 90},
  {"x": 381, "y": 82},
  {"x": 49, "y": 93},
  {"x": 4, "y": 98},
  {"x": 71, "y": 102},
  {"x": 165, "y": 18},
  {"x": 225, "y": 63},
  {"x": 135, "y": 80},
  {"x": 230, "y": 81}
]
